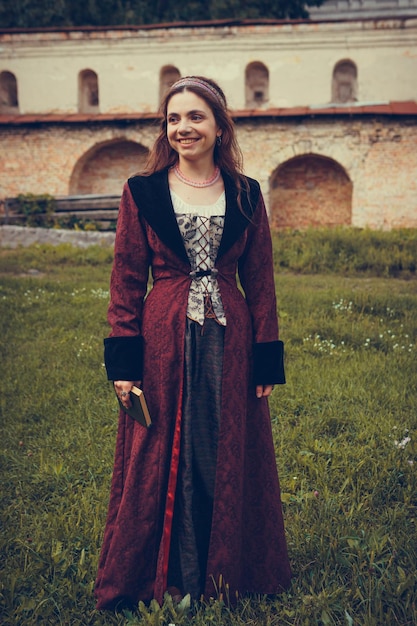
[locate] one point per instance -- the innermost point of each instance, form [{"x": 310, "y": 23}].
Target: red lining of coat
[{"x": 162, "y": 581}]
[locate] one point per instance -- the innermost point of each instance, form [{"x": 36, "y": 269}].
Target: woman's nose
[{"x": 184, "y": 126}]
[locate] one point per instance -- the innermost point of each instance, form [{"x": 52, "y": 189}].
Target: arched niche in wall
[
  {"x": 88, "y": 94},
  {"x": 310, "y": 191},
  {"x": 167, "y": 77},
  {"x": 9, "y": 102},
  {"x": 345, "y": 82},
  {"x": 104, "y": 168},
  {"x": 256, "y": 85}
]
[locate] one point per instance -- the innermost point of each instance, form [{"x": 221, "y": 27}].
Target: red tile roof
[
  {"x": 332, "y": 110},
  {"x": 14, "y": 119},
  {"x": 369, "y": 108}
]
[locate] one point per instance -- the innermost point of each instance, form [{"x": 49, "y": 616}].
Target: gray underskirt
[{"x": 197, "y": 468}]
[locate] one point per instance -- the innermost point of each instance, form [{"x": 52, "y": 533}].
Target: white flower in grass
[
  {"x": 101, "y": 293},
  {"x": 401, "y": 444}
]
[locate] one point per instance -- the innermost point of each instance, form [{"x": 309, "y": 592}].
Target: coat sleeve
[
  {"x": 123, "y": 349},
  {"x": 256, "y": 273}
]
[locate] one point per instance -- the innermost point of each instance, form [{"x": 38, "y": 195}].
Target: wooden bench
[{"x": 102, "y": 210}]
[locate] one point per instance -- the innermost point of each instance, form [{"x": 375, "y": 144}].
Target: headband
[{"x": 193, "y": 81}]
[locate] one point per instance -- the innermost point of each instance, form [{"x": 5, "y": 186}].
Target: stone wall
[
  {"x": 321, "y": 167},
  {"x": 49, "y": 158},
  {"x": 313, "y": 171},
  {"x": 378, "y": 155}
]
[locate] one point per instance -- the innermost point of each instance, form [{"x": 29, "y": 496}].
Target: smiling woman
[
  {"x": 195, "y": 499},
  {"x": 192, "y": 132}
]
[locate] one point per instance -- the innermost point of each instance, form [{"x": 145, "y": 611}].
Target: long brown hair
[{"x": 227, "y": 155}]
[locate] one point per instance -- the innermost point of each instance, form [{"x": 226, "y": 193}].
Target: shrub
[{"x": 37, "y": 210}]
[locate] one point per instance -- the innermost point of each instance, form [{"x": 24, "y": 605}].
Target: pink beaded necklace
[{"x": 195, "y": 183}]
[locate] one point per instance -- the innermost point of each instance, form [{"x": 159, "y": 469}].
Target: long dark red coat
[{"x": 247, "y": 545}]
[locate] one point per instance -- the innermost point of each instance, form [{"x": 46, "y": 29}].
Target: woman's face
[{"x": 191, "y": 127}]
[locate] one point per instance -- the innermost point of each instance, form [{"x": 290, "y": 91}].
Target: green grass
[
  {"x": 348, "y": 250},
  {"x": 345, "y": 428}
]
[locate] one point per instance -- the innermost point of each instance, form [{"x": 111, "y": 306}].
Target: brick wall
[
  {"x": 47, "y": 158},
  {"x": 377, "y": 154},
  {"x": 359, "y": 170},
  {"x": 104, "y": 169},
  {"x": 310, "y": 190}
]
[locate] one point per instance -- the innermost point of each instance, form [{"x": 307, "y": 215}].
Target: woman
[{"x": 195, "y": 499}]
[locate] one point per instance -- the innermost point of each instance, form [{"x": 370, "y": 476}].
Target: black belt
[{"x": 200, "y": 273}]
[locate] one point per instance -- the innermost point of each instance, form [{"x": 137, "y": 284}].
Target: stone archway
[
  {"x": 310, "y": 190},
  {"x": 103, "y": 169}
]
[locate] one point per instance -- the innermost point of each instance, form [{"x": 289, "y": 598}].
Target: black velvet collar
[{"x": 151, "y": 194}]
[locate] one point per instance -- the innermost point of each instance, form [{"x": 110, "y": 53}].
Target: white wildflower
[{"x": 401, "y": 444}]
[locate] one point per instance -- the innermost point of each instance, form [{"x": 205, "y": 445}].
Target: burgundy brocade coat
[{"x": 247, "y": 545}]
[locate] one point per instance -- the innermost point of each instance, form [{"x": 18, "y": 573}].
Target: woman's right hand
[{"x": 122, "y": 389}]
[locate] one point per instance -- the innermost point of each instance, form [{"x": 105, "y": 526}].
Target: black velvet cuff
[
  {"x": 123, "y": 357},
  {"x": 268, "y": 363}
]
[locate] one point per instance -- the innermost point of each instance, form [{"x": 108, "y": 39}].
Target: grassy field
[{"x": 345, "y": 429}]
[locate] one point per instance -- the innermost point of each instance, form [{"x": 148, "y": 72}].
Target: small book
[{"x": 139, "y": 409}]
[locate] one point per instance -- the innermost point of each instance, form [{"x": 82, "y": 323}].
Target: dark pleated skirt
[{"x": 197, "y": 468}]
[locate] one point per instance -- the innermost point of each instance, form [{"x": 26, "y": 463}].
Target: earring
[{"x": 219, "y": 140}]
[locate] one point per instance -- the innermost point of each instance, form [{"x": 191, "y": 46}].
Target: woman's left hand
[
  {"x": 122, "y": 388},
  {"x": 263, "y": 390}
]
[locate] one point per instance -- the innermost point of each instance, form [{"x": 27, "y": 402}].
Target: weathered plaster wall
[{"x": 300, "y": 58}]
